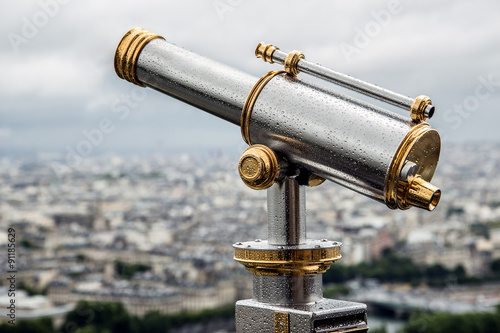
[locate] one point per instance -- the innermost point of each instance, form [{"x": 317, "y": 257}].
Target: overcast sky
[{"x": 57, "y": 78}]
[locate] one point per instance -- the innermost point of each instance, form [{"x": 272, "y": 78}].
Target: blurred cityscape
[{"x": 155, "y": 232}]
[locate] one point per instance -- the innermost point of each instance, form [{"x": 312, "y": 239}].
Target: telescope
[{"x": 300, "y": 134}]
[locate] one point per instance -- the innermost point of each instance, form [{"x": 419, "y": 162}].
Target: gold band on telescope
[
  {"x": 291, "y": 62},
  {"x": 246, "y": 113},
  {"x": 287, "y": 262},
  {"x": 128, "y": 50}
]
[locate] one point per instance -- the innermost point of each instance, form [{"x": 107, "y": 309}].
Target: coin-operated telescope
[{"x": 299, "y": 135}]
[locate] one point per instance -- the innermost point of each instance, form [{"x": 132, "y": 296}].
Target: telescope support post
[
  {"x": 287, "y": 291},
  {"x": 286, "y": 213}
]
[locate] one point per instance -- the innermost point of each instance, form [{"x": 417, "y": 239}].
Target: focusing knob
[{"x": 258, "y": 167}]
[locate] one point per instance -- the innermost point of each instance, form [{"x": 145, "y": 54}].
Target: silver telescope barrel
[
  {"x": 295, "y": 62},
  {"x": 365, "y": 148},
  {"x": 146, "y": 59}
]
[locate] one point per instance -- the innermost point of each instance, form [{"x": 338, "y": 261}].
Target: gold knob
[
  {"x": 292, "y": 61},
  {"x": 258, "y": 167},
  {"x": 265, "y": 51},
  {"x": 421, "y": 109}
]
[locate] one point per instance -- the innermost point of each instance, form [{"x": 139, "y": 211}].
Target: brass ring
[
  {"x": 246, "y": 113},
  {"x": 128, "y": 50},
  {"x": 291, "y": 62},
  {"x": 265, "y": 51},
  {"x": 287, "y": 262},
  {"x": 414, "y": 147},
  {"x": 417, "y": 110}
]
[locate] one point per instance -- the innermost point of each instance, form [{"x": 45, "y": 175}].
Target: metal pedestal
[
  {"x": 287, "y": 268},
  {"x": 327, "y": 315}
]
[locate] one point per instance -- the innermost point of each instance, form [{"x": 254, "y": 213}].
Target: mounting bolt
[{"x": 258, "y": 167}]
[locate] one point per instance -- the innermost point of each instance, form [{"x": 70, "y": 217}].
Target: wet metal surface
[
  {"x": 334, "y": 136},
  {"x": 206, "y": 84},
  {"x": 286, "y": 211}
]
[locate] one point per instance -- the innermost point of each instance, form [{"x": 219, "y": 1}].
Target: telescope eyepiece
[{"x": 423, "y": 194}]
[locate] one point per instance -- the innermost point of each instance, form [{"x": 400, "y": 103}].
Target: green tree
[
  {"x": 391, "y": 268},
  {"x": 28, "y": 244},
  {"x": 339, "y": 273},
  {"x": 126, "y": 270},
  {"x": 495, "y": 267},
  {"x": 111, "y": 316},
  {"x": 336, "y": 291},
  {"x": 155, "y": 322},
  {"x": 32, "y": 290},
  {"x": 444, "y": 323},
  {"x": 42, "y": 325}
]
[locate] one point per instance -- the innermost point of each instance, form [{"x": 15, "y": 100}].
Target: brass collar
[
  {"x": 246, "y": 113},
  {"x": 420, "y": 146},
  {"x": 128, "y": 50}
]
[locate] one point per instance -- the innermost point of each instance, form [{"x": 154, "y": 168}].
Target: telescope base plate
[{"x": 327, "y": 315}]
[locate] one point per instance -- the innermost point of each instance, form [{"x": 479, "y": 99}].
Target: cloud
[
  {"x": 50, "y": 75},
  {"x": 62, "y": 80}
]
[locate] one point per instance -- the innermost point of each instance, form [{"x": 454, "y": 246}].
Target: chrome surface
[
  {"x": 349, "y": 82},
  {"x": 327, "y": 315},
  {"x": 408, "y": 171},
  {"x": 287, "y": 290},
  {"x": 206, "y": 84},
  {"x": 263, "y": 245},
  {"x": 336, "y": 137},
  {"x": 286, "y": 222},
  {"x": 286, "y": 213}
]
